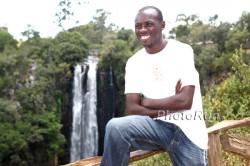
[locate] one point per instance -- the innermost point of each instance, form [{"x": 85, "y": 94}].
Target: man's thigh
[{"x": 145, "y": 133}]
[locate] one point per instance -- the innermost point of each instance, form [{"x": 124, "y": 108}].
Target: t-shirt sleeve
[
  {"x": 189, "y": 74},
  {"x": 132, "y": 80}
]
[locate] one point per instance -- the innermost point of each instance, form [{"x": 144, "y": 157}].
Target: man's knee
[
  {"x": 114, "y": 124},
  {"x": 114, "y": 128},
  {"x": 120, "y": 124}
]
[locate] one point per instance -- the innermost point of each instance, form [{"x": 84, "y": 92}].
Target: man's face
[{"x": 148, "y": 28}]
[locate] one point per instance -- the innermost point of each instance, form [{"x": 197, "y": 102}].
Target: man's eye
[
  {"x": 149, "y": 24},
  {"x": 137, "y": 26}
]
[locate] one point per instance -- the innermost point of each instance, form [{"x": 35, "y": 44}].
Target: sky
[{"x": 16, "y": 15}]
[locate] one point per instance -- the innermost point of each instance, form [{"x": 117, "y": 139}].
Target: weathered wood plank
[
  {"x": 236, "y": 144},
  {"x": 214, "y": 150},
  {"x": 93, "y": 161},
  {"x": 227, "y": 124},
  {"x": 134, "y": 156}
]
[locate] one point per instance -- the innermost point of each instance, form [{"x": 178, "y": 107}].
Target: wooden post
[{"x": 214, "y": 150}]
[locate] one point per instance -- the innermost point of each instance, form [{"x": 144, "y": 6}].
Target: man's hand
[{"x": 178, "y": 87}]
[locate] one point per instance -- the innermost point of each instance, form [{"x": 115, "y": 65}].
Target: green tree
[
  {"x": 30, "y": 33},
  {"x": 70, "y": 47},
  {"x": 31, "y": 88},
  {"x": 240, "y": 34},
  {"x": 230, "y": 99},
  {"x": 183, "y": 30},
  {"x": 219, "y": 35},
  {"x": 129, "y": 36},
  {"x": 6, "y": 40}
]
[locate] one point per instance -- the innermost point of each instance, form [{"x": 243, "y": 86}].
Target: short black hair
[{"x": 158, "y": 11}]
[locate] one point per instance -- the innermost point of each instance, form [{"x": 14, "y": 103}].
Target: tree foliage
[
  {"x": 6, "y": 40},
  {"x": 230, "y": 99},
  {"x": 70, "y": 47}
]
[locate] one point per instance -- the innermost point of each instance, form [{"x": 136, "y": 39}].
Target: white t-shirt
[{"x": 155, "y": 76}]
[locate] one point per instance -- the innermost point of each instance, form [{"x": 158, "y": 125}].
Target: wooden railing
[
  {"x": 217, "y": 142},
  {"x": 228, "y": 142}
]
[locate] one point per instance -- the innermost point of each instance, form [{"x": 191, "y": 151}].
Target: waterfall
[{"x": 84, "y": 135}]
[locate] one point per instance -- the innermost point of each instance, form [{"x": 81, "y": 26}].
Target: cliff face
[
  {"x": 67, "y": 119},
  {"x": 107, "y": 102}
]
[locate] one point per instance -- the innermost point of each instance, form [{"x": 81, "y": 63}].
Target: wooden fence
[{"x": 217, "y": 142}]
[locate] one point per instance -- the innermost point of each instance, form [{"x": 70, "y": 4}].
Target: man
[{"x": 157, "y": 116}]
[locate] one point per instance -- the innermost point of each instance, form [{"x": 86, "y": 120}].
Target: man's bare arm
[
  {"x": 134, "y": 107},
  {"x": 181, "y": 101}
]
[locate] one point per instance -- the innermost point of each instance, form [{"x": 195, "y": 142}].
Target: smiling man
[{"x": 163, "y": 100}]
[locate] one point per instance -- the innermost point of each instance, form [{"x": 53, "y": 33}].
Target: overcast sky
[{"x": 17, "y": 14}]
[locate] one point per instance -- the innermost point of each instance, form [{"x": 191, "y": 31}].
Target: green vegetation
[
  {"x": 230, "y": 99},
  {"x": 35, "y": 79}
]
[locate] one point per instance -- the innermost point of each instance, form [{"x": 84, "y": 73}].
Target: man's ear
[{"x": 163, "y": 25}]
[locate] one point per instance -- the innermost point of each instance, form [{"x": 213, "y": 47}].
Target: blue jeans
[{"x": 145, "y": 133}]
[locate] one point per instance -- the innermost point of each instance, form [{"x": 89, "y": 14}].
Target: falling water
[{"x": 84, "y": 136}]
